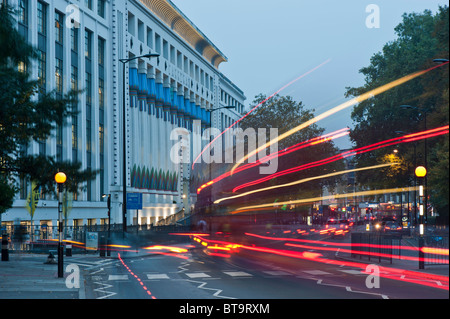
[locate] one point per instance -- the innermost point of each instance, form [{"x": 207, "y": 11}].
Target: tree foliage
[
  {"x": 283, "y": 113},
  {"x": 421, "y": 38}
]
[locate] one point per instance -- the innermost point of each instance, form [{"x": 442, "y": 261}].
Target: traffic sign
[{"x": 134, "y": 201}]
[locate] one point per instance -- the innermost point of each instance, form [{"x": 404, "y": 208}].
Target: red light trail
[
  {"x": 254, "y": 108},
  {"x": 403, "y": 139},
  {"x": 410, "y": 276},
  {"x": 137, "y": 278},
  {"x": 296, "y": 147}
]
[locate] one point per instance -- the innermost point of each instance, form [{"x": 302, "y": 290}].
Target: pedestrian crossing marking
[
  {"x": 237, "y": 273},
  {"x": 197, "y": 275},
  {"x": 316, "y": 272},
  {"x": 276, "y": 273},
  {"x": 118, "y": 277},
  {"x": 157, "y": 276}
]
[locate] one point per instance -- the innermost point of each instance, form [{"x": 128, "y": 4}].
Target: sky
[{"x": 270, "y": 43}]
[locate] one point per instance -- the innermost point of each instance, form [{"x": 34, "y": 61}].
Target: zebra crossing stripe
[
  {"x": 118, "y": 277},
  {"x": 237, "y": 273},
  {"x": 157, "y": 276},
  {"x": 197, "y": 275}
]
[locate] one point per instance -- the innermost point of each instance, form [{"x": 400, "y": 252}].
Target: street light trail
[
  {"x": 304, "y": 180},
  {"x": 335, "y": 196},
  {"x": 278, "y": 154},
  {"x": 254, "y": 108},
  {"x": 336, "y": 109},
  {"x": 416, "y": 136},
  {"x": 415, "y": 277}
]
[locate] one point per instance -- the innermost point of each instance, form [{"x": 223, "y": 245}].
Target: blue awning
[
  {"x": 134, "y": 81},
  {"x": 151, "y": 84},
  {"x": 143, "y": 88}
]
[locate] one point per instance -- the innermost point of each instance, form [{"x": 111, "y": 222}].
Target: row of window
[
  {"x": 169, "y": 52},
  {"x": 42, "y": 68},
  {"x": 228, "y": 100}
]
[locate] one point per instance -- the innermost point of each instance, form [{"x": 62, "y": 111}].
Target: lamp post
[
  {"x": 209, "y": 202},
  {"x": 414, "y": 219},
  {"x": 421, "y": 172},
  {"x": 124, "y": 140},
  {"x": 425, "y": 147},
  {"x": 60, "y": 179},
  {"x": 108, "y": 253}
]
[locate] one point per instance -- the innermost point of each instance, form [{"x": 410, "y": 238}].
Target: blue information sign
[{"x": 134, "y": 201}]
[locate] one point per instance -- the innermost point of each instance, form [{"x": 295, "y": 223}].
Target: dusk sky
[{"x": 270, "y": 43}]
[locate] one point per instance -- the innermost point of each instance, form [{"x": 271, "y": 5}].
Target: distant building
[{"x": 79, "y": 45}]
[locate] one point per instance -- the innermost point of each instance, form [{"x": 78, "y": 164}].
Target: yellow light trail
[
  {"x": 334, "y": 110},
  {"x": 254, "y": 108},
  {"x": 304, "y": 181},
  {"x": 335, "y": 196}
]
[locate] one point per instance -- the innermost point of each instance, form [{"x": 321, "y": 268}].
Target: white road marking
[
  {"x": 157, "y": 276},
  {"x": 118, "y": 277},
  {"x": 216, "y": 294},
  {"x": 197, "y": 275},
  {"x": 276, "y": 273},
  {"x": 102, "y": 289},
  {"x": 316, "y": 272},
  {"x": 237, "y": 273}
]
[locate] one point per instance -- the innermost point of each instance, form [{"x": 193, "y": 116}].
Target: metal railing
[
  {"x": 376, "y": 246},
  {"x": 436, "y": 250},
  {"x": 43, "y": 239}
]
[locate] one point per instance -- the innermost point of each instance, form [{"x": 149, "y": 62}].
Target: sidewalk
[{"x": 26, "y": 276}]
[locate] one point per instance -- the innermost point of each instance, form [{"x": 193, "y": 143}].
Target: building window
[
  {"x": 59, "y": 75},
  {"x": 101, "y": 8},
  {"x": 87, "y": 44},
  {"x": 74, "y": 78},
  {"x": 165, "y": 49},
  {"x": 101, "y": 51},
  {"x": 59, "y": 33},
  {"x": 23, "y": 12},
  {"x": 157, "y": 43},
  {"x": 88, "y": 4},
  {"x": 88, "y": 88},
  {"x": 101, "y": 94},
  {"x": 42, "y": 18},
  {"x": 74, "y": 39},
  {"x": 41, "y": 69}
]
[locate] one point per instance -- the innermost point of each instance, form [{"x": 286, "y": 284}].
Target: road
[{"x": 249, "y": 274}]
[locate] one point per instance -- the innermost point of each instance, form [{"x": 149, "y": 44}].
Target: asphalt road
[{"x": 196, "y": 275}]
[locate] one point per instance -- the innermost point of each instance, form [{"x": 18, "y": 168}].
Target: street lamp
[
  {"x": 60, "y": 179},
  {"x": 441, "y": 60},
  {"x": 421, "y": 172},
  {"x": 425, "y": 160},
  {"x": 124, "y": 139},
  {"x": 108, "y": 253},
  {"x": 222, "y": 107}
]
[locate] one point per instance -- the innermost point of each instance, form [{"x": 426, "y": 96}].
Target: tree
[
  {"x": 283, "y": 113},
  {"x": 28, "y": 114},
  {"x": 421, "y": 37}
]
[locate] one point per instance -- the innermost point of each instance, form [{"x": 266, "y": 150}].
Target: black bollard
[
  {"x": 69, "y": 247},
  {"x": 5, "y": 252},
  {"x": 102, "y": 245}
]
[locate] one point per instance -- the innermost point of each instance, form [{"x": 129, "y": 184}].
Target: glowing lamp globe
[
  {"x": 60, "y": 177},
  {"x": 421, "y": 171}
]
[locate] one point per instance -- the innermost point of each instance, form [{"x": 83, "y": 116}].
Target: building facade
[{"x": 80, "y": 44}]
